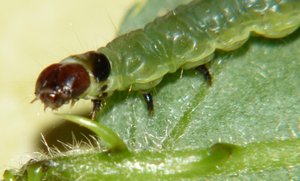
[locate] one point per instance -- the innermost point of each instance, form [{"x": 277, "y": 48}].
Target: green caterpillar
[{"x": 186, "y": 37}]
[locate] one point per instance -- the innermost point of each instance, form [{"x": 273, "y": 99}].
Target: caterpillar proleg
[{"x": 186, "y": 37}]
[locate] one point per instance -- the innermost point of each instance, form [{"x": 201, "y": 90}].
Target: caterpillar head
[{"x": 78, "y": 76}]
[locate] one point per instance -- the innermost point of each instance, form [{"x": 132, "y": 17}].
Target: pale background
[{"x": 34, "y": 34}]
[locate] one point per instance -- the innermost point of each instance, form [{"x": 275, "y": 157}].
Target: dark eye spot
[
  {"x": 104, "y": 94},
  {"x": 100, "y": 65}
]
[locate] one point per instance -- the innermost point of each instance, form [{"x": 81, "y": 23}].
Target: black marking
[
  {"x": 100, "y": 65},
  {"x": 104, "y": 88},
  {"x": 149, "y": 102},
  {"x": 104, "y": 94},
  {"x": 204, "y": 70}
]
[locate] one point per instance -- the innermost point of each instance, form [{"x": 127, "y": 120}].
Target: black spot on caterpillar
[{"x": 186, "y": 37}]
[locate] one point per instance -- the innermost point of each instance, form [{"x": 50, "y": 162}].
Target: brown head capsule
[{"x": 59, "y": 83}]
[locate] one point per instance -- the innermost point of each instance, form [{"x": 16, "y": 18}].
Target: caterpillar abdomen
[{"x": 186, "y": 37}]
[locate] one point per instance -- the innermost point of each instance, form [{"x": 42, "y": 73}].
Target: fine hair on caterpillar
[{"x": 186, "y": 37}]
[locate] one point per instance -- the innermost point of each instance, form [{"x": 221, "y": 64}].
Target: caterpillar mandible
[{"x": 185, "y": 37}]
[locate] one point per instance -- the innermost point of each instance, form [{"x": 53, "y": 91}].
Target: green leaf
[{"x": 245, "y": 126}]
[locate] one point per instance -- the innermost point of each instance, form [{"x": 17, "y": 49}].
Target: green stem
[
  {"x": 220, "y": 160},
  {"x": 112, "y": 140}
]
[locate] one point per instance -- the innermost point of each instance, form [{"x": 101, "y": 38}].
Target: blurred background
[{"x": 34, "y": 34}]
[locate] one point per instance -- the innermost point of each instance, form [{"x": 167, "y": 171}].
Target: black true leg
[
  {"x": 203, "y": 70},
  {"x": 149, "y": 102},
  {"x": 96, "y": 107}
]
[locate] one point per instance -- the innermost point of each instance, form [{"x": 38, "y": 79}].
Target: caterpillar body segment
[{"x": 186, "y": 37}]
